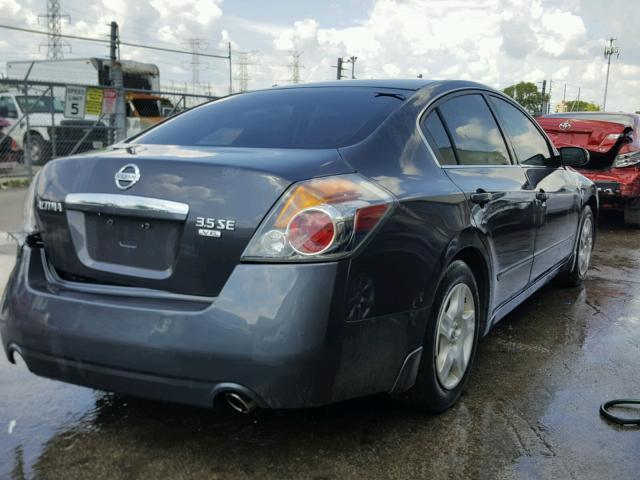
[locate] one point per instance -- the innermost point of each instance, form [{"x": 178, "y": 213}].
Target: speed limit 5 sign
[{"x": 74, "y": 103}]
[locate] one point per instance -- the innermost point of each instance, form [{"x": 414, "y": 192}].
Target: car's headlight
[
  {"x": 627, "y": 159},
  {"x": 321, "y": 219},
  {"x": 29, "y": 224}
]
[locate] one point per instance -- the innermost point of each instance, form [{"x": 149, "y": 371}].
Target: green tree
[
  {"x": 581, "y": 106},
  {"x": 527, "y": 95}
]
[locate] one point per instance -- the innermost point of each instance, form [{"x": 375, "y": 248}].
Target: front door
[{"x": 557, "y": 208}]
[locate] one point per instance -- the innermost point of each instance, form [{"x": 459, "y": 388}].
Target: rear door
[
  {"x": 557, "y": 202},
  {"x": 472, "y": 149}
]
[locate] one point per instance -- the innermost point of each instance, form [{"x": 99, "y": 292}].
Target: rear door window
[
  {"x": 315, "y": 117},
  {"x": 475, "y": 133},
  {"x": 432, "y": 126},
  {"x": 528, "y": 143}
]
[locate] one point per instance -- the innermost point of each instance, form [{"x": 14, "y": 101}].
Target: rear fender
[{"x": 469, "y": 246}]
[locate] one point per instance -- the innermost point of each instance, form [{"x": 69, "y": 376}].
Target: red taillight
[
  {"x": 321, "y": 219},
  {"x": 368, "y": 217},
  {"x": 311, "y": 231}
]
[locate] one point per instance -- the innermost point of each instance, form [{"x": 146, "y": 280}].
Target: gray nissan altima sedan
[{"x": 297, "y": 246}]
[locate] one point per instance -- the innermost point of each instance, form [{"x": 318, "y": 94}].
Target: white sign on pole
[{"x": 74, "y": 103}]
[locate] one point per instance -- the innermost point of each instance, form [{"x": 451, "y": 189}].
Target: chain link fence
[{"x": 40, "y": 121}]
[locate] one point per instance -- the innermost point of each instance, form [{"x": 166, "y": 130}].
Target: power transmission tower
[
  {"x": 243, "y": 62},
  {"x": 295, "y": 66},
  {"x": 609, "y": 51},
  {"x": 196, "y": 45},
  {"x": 55, "y": 45}
]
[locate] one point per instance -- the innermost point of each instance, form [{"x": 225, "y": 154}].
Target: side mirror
[{"x": 573, "y": 156}]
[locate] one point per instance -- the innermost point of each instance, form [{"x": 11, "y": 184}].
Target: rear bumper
[
  {"x": 275, "y": 331},
  {"x": 616, "y": 185}
]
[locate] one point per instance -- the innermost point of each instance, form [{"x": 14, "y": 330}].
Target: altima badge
[
  {"x": 127, "y": 176},
  {"x": 49, "y": 205}
]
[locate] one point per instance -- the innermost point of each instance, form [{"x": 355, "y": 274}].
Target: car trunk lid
[
  {"x": 602, "y": 139},
  {"x": 179, "y": 219}
]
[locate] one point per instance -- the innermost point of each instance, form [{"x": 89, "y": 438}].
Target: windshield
[
  {"x": 37, "y": 104},
  {"x": 319, "y": 117},
  {"x": 626, "y": 120}
]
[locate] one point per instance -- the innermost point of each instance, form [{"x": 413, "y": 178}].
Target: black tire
[
  {"x": 632, "y": 214},
  {"x": 39, "y": 151},
  {"x": 428, "y": 393},
  {"x": 576, "y": 275}
]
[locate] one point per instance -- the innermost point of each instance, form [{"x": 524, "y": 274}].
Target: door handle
[
  {"x": 481, "y": 197},
  {"x": 542, "y": 196}
]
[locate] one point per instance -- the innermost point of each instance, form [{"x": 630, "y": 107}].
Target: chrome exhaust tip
[{"x": 240, "y": 403}]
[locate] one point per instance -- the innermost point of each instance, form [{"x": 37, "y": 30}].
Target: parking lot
[{"x": 531, "y": 409}]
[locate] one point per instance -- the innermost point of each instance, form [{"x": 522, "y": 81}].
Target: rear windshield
[
  {"x": 319, "y": 117},
  {"x": 626, "y": 120}
]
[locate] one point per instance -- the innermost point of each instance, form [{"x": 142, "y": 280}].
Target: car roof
[{"x": 397, "y": 83}]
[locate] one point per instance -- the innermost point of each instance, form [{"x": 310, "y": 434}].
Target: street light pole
[
  {"x": 353, "y": 67},
  {"x": 609, "y": 50}
]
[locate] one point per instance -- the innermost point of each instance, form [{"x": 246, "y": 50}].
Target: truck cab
[{"x": 34, "y": 118}]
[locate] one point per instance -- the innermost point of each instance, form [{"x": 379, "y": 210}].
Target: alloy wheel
[
  {"x": 454, "y": 336},
  {"x": 585, "y": 246}
]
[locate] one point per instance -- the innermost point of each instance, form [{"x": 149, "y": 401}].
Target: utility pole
[
  {"x": 544, "y": 102},
  {"x": 53, "y": 17},
  {"x": 575, "y": 104},
  {"x": 609, "y": 51},
  {"x": 352, "y": 60},
  {"x": 548, "y": 109},
  {"x": 341, "y": 61},
  {"x": 295, "y": 66},
  {"x": 230, "y": 72},
  {"x": 118, "y": 119}
]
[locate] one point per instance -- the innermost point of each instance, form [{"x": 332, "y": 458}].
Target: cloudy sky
[{"x": 496, "y": 42}]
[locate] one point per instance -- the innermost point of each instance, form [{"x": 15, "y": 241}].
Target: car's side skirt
[{"x": 502, "y": 310}]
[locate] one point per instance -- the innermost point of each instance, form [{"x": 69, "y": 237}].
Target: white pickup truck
[{"x": 46, "y": 118}]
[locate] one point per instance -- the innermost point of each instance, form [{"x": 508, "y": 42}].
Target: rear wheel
[
  {"x": 632, "y": 214},
  {"x": 582, "y": 253},
  {"x": 37, "y": 149},
  {"x": 450, "y": 342}
]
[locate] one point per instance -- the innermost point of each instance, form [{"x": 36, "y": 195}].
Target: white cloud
[
  {"x": 10, "y": 6},
  {"x": 497, "y": 42}
]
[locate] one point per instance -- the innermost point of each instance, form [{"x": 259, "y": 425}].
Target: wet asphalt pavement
[{"x": 531, "y": 409}]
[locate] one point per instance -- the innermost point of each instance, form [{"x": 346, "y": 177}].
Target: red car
[
  {"x": 613, "y": 142},
  {"x": 9, "y": 151}
]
